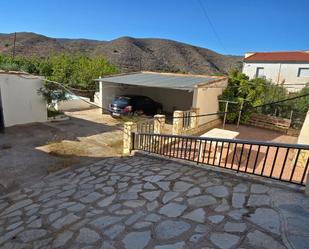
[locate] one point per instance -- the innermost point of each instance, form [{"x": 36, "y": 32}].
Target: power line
[
  {"x": 292, "y": 86},
  {"x": 65, "y": 88},
  {"x": 200, "y": 115},
  {"x": 251, "y": 107},
  {"x": 211, "y": 25}
]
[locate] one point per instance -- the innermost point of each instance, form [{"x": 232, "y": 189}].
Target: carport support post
[
  {"x": 127, "y": 137},
  {"x": 159, "y": 122},
  {"x": 101, "y": 94},
  {"x": 177, "y": 122}
]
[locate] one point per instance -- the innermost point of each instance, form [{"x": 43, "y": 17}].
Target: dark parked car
[{"x": 134, "y": 104}]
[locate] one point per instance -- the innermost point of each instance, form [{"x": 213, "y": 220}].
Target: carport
[{"x": 173, "y": 91}]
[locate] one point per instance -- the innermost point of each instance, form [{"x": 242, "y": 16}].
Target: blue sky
[{"x": 241, "y": 25}]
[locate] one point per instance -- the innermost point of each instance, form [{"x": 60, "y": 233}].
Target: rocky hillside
[{"x": 130, "y": 54}]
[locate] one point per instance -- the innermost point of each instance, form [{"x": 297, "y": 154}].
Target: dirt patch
[
  {"x": 65, "y": 149},
  {"x": 30, "y": 152},
  {"x": 117, "y": 145}
]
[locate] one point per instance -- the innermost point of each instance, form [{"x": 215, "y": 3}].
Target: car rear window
[{"x": 121, "y": 101}]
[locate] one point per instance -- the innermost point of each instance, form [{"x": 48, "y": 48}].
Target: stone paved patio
[{"x": 140, "y": 202}]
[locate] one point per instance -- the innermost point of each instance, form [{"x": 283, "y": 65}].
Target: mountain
[{"x": 130, "y": 54}]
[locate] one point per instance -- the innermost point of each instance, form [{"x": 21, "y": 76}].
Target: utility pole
[{"x": 14, "y": 45}]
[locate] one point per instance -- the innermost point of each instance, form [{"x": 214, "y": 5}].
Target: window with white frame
[
  {"x": 303, "y": 72},
  {"x": 260, "y": 72}
]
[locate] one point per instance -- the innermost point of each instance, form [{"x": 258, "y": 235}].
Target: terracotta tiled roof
[{"x": 297, "y": 56}]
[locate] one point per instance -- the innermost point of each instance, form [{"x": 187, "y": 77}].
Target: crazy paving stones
[{"x": 142, "y": 203}]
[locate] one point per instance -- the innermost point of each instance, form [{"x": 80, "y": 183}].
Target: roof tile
[{"x": 296, "y": 56}]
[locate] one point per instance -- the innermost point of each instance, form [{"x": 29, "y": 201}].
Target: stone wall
[
  {"x": 202, "y": 128},
  {"x": 195, "y": 127}
]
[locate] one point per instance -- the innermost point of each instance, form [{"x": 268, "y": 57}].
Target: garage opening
[{"x": 171, "y": 99}]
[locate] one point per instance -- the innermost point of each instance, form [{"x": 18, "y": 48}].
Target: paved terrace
[{"x": 141, "y": 202}]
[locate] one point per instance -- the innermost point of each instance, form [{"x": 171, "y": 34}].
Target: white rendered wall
[
  {"x": 73, "y": 104},
  {"x": 206, "y": 99},
  {"x": 303, "y": 137},
  {"x": 278, "y": 73},
  {"x": 21, "y": 102},
  {"x": 97, "y": 99}
]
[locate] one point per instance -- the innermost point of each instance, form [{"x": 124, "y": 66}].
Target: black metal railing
[{"x": 284, "y": 162}]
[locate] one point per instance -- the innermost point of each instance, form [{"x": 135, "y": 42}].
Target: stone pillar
[
  {"x": 307, "y": 185},
  {"x": 101, "y": 94},
  {"x": 127, "y": 137},
  {"x": 159, "y": 122},
  {"x": 177, "y": 122},
  {"x": 194, "y": 120}
]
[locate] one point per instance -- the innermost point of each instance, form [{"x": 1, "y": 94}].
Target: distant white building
[{"x": 289, "y": 68}]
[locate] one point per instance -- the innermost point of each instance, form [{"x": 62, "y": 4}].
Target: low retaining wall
[
  {"x": 269, "y": 122},
  {"x": 73, "y": 104},
  {"x": 202, "y": 128}
]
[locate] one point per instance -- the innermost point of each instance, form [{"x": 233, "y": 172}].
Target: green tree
[
  {"x": 77, "y": 71},
  {"x": 249, "y": 92},
  {"x": 86, "y": 69},
  {"x": 302, "y": 104}
]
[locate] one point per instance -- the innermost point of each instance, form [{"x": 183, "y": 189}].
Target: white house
[
  {"x": 173, "y": 91},
  {"x": 289, "y": 68},
  {"x": 20, "y": 102}
]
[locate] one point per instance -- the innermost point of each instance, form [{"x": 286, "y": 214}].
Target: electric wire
[
  {"x": 187, "y": 116},
  {"x": 211, "y": 25}
]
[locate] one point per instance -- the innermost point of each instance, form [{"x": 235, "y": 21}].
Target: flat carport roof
[{"x": 163, "y": 80}]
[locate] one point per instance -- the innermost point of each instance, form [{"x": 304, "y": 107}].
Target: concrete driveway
[{"x": 29, "y": 152}]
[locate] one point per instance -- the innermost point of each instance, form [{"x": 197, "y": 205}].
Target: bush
[
  {"x": 243, "y": 91},
  {"x": 53, "y": 113},
  {"x": 251, "y": 93},
  {"x": 259, "y": 92},
  {"x": 7, "y": 66}
]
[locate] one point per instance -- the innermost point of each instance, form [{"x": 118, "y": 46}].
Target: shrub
[{"x": 251, "y": 93}]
